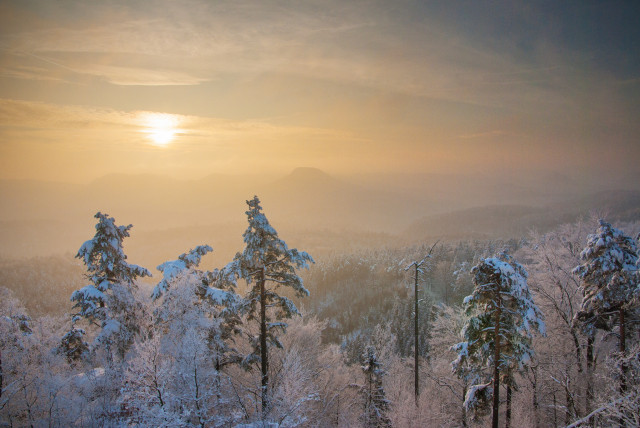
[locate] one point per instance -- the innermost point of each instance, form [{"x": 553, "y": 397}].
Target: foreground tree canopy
[
  {"x": 107, "y": 301},
  {"x": 499, "y": 331},
  {"x": 229, "y": 346}
]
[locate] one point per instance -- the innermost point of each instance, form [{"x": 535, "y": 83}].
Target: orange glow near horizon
[{"x": 235, "y": 87}]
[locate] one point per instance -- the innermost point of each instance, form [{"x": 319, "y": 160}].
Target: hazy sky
[{"x": 189, "y": 88}]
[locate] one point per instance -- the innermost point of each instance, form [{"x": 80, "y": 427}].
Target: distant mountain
[
  {"x": 40, "y": 218},
  {"x": 29, "y": 199},
  {"x": 496, "y": 221},
  {"x": 508, "y": 221},
  {"x": 311, "y": 197},
  {"x": 616, "y": 205}
]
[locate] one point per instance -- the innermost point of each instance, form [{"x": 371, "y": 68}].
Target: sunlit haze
[
  {"x": 366, "y": 114},
  {"x": 346, "y": 87},
  {"x": 314, "y": 213}
]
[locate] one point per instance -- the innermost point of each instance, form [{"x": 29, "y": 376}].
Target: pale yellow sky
[{"x": 363, "y": 86}]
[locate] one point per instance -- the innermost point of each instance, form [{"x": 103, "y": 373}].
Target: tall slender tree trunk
[
  {"x": 464, "y": 411},
  {"x": 496, "y": 365},
  {"x": 568, "y": 415},
  {"x": 623, "y": 366},
  {"x": 508, "y": 416},
  {"x": 590, "y": 367},
  {"x": 623, "y": 351},
  {"x": 416, "y": 341},
  {"x": 576, "y": 345},
  {"x": 370, "y": 410},
  {"x": 263, "y": 346},
  {"x": 536, "y": 404}
]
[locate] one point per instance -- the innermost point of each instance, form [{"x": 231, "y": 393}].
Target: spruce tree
[
  {"x": 267, "y": 264},
  {"x": 108, "y": 301},
  {"x": 498, "y": 333},
  {"x": 376, "y": 405},
  {"x": 211, "y": 295},
  {"x": 609, "y": 283}
]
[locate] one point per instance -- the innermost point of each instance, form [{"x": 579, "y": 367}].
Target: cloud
[
  {"x": 483, "y": 135},
  {"x": 358, "y": 43},
  {"x": 44, "y": 118},
  {"x": 398, "y": 74},
  {"x": 73, "y": 143}
]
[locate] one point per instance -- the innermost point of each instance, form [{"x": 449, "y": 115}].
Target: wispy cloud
[
  {"x": 338, "y": 75},
  {"x": 26, "y": 117},
  {"x": 75, "y": 142},
  {"x": 165, "y": 43},
  {"x": 484, "y": 135}
]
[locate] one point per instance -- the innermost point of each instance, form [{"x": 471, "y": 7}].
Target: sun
[{"x": 161, "y": 128}]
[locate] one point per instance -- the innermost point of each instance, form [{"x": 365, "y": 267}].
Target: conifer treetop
[
  {"x": 171, "y": 270},
  {"x": 265, "y": 250},
  {"x": 105, "y": 258},
  {"x": 609, "y": 271},
  {"x": 106, "y": 265},
  {"x": 500, "y": 289}
]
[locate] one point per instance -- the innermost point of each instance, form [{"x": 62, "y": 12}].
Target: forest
[{"x": 538, "y": 331}]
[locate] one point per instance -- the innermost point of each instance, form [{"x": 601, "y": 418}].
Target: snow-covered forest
[{"x": 537, "y": 331}]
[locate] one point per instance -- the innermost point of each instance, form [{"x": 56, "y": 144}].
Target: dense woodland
[{"x": 274, "y": 338}]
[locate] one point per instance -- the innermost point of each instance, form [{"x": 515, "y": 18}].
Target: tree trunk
[
  {"x": 370, "y": 410},
  {"x": 576, "y": 345},
  {"x": 496, "y": 365},
  {"x": 263, "y": 345},
  {"x": 623, "y": 366},
  {"x": 536, "y": 405},
  {"x": 416, "y": 342},
  {"x": 568, "y": 415},
  {"x": 508, "y": 416},
  {"x": 623, "y": 351},
  {"x": 590, "y": 367},
  {"x": 1, "y": 379},
  {"x": 464, "y": 411}
]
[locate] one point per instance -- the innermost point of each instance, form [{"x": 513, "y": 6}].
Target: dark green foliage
[
  {"x": 498, "y": 333},
  {"x": 608, "y": 274},
  {"x": 266, "y": 264},
  {"x": 107, "y": 302},
  {"x": 73, "y": 345}
]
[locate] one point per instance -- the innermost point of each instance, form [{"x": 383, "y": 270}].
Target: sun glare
[{"x": 161, "y": 128}]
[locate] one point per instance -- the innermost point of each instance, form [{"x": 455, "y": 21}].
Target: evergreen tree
[
  {"x": 108, "y": 301},
  {"x": 376, "y": 405},
  {"x": 186, "y": 265},
  {"x": 609, "y": 283},
  {"x": 210, "y": 295},
  {"x": 73, "y": 345},
  {"x": 266, "y": 259},
  {"x": 498, "y": 333}
]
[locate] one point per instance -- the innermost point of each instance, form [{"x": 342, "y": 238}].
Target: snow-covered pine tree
[
  {"x": 211, "y": 295},
  {"x": 609, "y": 282},
  {"x": 73, "y": 345},
  {"x": 266, "y": 259},
  {"x": 376, "y": 405},
  {"x": 186, "y": 265},
  {"x": 499, "y": 331},
  {"x": 108, "y": 301}
]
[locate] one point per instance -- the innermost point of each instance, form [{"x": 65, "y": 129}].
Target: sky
[{"x": 191, "y": 88}]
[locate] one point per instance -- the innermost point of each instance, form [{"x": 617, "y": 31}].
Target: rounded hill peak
[{"x": 306, "y": 173}]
